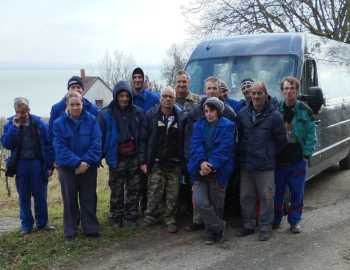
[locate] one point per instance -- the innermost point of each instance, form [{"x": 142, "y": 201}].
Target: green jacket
[
  {"x": 191, "y": 101},
  {"x": 304, "y": 126}
]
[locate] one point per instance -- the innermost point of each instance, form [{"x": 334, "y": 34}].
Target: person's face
[
  {"x": 75, "y": 106},
  {"x": 289, "y": 91},
  {"x": 22, "y": 113},
  {"x": 137, "y": 80},
  {"x": 223, "y": 92},
  {"x": 211, "y": 114},
  {"x": 246, "y": 91},
  {"x": 147, "y": 85},
  {"x": 76, "y": 88},
  {"x": 258, "y": 95},
  {"x": 212, "y": 89},
  {"x": 182, "y": 83},
  {"x": 167, "y": 99},
  {"x": 123, "y": 99}
]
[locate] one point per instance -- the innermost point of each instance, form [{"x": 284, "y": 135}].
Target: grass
[{"x": 40, "y": 249}]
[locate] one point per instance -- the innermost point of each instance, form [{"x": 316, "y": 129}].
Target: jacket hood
[
  {"x": 119, "y": 87},
  {"x": 132, "y": 84}
]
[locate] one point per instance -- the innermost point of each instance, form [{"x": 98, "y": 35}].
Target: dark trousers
[
  {"x": 143, "y": 192},
  {"x": 30, "y": 180},
  {"x": 84, "y": 186},
  {"x": 126, "y": 174}
]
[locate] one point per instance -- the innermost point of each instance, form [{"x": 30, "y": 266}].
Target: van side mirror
[{"x": 314, "y": 97}]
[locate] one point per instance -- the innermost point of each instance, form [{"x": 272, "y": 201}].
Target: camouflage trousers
[
  {"x": 160, "y": 181},
  {"x": 128, "y": 175}
]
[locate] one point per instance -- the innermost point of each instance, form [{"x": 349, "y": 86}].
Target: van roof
[{"x": 259, "y": 44}]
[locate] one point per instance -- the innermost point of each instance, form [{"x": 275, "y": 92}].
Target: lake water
[{"x": 43, "y": 88}]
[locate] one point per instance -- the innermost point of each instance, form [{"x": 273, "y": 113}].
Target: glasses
[
  {"x": 289, "y": 88},
  {"x": 166, "y": 97}
]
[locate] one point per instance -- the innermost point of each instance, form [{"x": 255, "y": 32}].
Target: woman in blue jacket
[
  {"x": 78, "y": 150},
  {"x": 210, "y": 166}
]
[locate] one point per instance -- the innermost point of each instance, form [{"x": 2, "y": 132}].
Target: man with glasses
[
  {"x": 291, "y": 162},
  {"x": 160, "y": 155}
]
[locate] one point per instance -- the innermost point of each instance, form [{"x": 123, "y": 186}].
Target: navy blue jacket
[
  {"x": 57, "y": 109},
  {"x": 149, "y": 132},
  {"x": 10, "y": 137},
  {"x": 109, "y": 128},
  {"x": 222, "y": 158},
  {"x": 261, "y": 141},
  {"x": 236, "y": 105},
  {"x": 77, "y": 143}
]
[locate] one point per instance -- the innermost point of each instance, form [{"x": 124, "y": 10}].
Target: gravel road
[{"x": 323, "y": 244}]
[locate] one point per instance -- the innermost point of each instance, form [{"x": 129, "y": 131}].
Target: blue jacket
[
  {"x": 261, "y": 141},
  {"x": 146, "y": 100},
  {"x": 109, "y": 128},
  {"x": 10, "y": 137},
  {"x": 273, "y": 99},
  {"x": 236, "y": 105},
  {"x": 149, "y": 132},
  {"x": 77, "y": 143},
  {"x": 222, "y": 158},
  {"x": 57, "y": 109}
]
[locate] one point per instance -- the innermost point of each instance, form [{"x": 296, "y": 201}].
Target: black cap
[{"x": 75, "y": 80}]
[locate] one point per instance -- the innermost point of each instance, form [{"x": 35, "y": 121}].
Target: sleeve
[
  {"x": 222, "y": 153},
  {"x": 188, "y": 134},
  {"x": 279, "y": 133},
  {"x": 94, "y": 152},
  {"x": 49, "y": 151},
  {"x": 64, "y": 156},
  {"x": 311, "y": 136},
  {"x": 51, "y": 136},
  {"x": 103, "y": 128},
  {"x": 10, "y": 136},
  {"x": 143, "y": 139},
  {"x": 197, "y": 151}
]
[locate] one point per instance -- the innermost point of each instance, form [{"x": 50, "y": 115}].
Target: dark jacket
[
  {"x": 77, "y": 143},
  {"x": 10, "y": 139},
  {"x": 222, "y": 157},
  {"x": 196, "y": 114},
  {"x": 149, "y": 132},
  {"x": 108, "y": 125},
  {"x": 261, "y": 141},
  {"x": 275, "y": 101}
]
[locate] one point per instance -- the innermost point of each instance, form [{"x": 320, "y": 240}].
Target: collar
[
  {"x": 26, "y": 123},
  {"x": 143, "y": 95}
]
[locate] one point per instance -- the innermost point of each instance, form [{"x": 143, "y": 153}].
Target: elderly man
[
  {"x": 262, "y": 137},
  {"x": 26, "y": 135},
  {"x": 211, "y": 89},
  {"x": 160, "y": 154},
  {"x": 291, "y": 162},
  {"x": 236, "y": 105}
]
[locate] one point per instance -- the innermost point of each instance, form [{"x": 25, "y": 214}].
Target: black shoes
[
  {"x": 220, "y": 237},
  {"x": 95, "y": 235},
  {"x": 172, "y": 228},
  {"x": 47, "y": 228},
  {"x": 209, "y": 241},
  {"x": 276, "y": 226},
  {"x": 244, "y": 232},
  {"x": 264, "y": 236},
  {"x": 295, "y": 227},
  {"x": 194, "y": 227},
  {"x": 24, "y": 231},
  {"x": 69, "y": 239},
  {"x": 145, "y": 225},
  {"x": 132, "y": 223},
  {"x": 118, "y": 224}
]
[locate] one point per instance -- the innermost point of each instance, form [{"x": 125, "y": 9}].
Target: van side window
[{"x": 307, "y": 76}]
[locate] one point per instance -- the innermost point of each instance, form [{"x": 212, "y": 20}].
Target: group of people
[{"x": 150, "y": 140}]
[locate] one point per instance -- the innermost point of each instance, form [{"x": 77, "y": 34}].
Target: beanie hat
[
  {"x": 138, "y": 71},
  {"x": 216, "y": 102},
  {"x": 75, "y": 80},
  {"x": 247, "y": 81},
  {"x": 223, "y": 85},
  {"x": 146, "y": 78}
]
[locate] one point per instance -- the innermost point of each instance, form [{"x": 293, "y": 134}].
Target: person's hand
[
  {"x": 204, "y": 172},
  {"x": 143, "y": 168},
  {"x": 205, "y": 166},
  {"x": 16, "y": 121},
  {"x": 82, "y": 168},
  {"x": 305, "y": 159},
  {"x": 55, "y": 165},
  {"x": 50, "y": 173}
]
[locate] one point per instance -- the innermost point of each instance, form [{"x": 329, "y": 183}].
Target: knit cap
[
  {"x": 216, "y": 102},
  {"x": 223, "y": 85},
  {"x": 75, "y": 80}
]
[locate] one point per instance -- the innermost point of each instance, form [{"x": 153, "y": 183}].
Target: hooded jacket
[
  {"x": 108, "y": 124},
  {"x": 149, "y": 132},
  {"x": 196, "y": 114},
  {"x": 222, "y": 158},
  {"x": 10, "y": 138},
  {"x": 261, "y": 141},
  {"x": 144, "y": 99}
]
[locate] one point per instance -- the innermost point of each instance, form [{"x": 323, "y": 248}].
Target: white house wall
[{"x": 99, "y": 91}]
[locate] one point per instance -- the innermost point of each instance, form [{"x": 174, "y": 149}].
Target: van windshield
[{"x": 232, "y": 70}]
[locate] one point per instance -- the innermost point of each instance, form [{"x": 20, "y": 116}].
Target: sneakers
[
  {"x": 132, "y": 223},
  {"x": 276, "y": 226},
  {"x": 194, "y": 227},
  {"x": 295, "y": 227},
  {"x": 24, "y": 231},
  {"x": 264, "y": 236},
  {"x": 47, "y": 228},
  {"x": 69, "y": 239},
  {"x": 172, "y": 228},
  {"x": 95, "y": 235},
  {"x": 209, "y": 241},
  {"x": 145, "y": 225},
  {"x": 118, "y": 224},
  {"x": 244, "y": 232},
  {"x": 220, "y": 237}
]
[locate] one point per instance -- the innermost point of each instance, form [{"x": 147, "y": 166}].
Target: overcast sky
[{"x": 70, "y": 31}]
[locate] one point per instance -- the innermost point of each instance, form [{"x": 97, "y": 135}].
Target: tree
[
  {"x": 328, "y": 18},
  {"x": 116, "y": 69},
  {"x": 176, "y": 58}
]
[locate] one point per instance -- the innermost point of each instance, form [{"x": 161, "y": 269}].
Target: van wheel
[
  {"x": 344, "y": 164},
  {"x": 286, "y": 203}
]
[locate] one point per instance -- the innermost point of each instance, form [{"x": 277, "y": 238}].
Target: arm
[
  {"x": 10, "y": 136},
  {"x": 143, "y": 139},
  {"x": 311, "y": 136},
  {"x": 279, "y": 133},
  {"x": 49, "y": 151},
  {"x": 103, "y": 128},
  {"x": 94, "y": 152},
  {"x": 188, "y": 134},
  {"x": 197, "y": 151}
]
